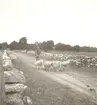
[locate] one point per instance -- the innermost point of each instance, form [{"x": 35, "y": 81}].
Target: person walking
[{"x": 37, "y": 51}]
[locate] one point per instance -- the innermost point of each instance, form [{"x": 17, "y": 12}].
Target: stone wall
[
  {"x": 2, "y": 90},
  {"x": 14, "y": 83}
]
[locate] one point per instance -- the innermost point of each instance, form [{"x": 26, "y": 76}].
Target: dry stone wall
[{"x": 14, "y": 82}]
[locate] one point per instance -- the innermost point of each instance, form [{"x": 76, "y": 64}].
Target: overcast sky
[{"x": 69, "y": 21}]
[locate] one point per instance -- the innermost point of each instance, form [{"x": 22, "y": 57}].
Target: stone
[
  {"x": 14, "y": 76},
  {"x": 7, "y": 65},
  {"x": 27, "y": 100},
  {"x": 13, "y": 99},
  {"x": 5, "y": 55},
  {"x": 15, "y": 88}
]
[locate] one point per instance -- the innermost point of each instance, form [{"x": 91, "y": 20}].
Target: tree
[
  {"x": 77, "y": 48},
  {"x": 47, "y": 45},
  {"x": 67, "y": 47},
  {"x": 44, "y": 45},
  {"x": 23, "y": 43},
  {"x": 0, "y": 45},
  {"x": 14, "y": 45},
  {"x": 30, "y": 47},
  {"x": 60, "y": 47},
  {"x": 4, "y": 45},
  {"x": 23, "y": 40},
  {"x": 50, "y": 44}
]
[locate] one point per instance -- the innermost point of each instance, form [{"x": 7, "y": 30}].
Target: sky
[{"x": 68, "y": 21}]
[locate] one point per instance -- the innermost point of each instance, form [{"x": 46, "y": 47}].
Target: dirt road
[{"x": 49, "y": 88}]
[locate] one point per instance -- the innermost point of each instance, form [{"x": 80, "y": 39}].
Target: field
[
  {"x": 75, "y": 53},
  {"x": 72, "y": 86}
]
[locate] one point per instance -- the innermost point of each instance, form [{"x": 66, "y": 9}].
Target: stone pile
[
  {"x": 84, "y": 61},
  {"x": 14, "y": 82}
]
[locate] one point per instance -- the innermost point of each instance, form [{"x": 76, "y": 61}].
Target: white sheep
[
  {"x": 39, "y": 63},
  {"x": 13, "y": 57}
]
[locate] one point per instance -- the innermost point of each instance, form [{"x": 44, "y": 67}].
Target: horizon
[
  {"x": 69, "y": 22},
  {"x": 48, "y": 40}
]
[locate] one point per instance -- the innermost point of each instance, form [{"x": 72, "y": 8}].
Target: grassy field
[
  {"x": 74, "y": 53},
  {"x": 67, "y": 52}
]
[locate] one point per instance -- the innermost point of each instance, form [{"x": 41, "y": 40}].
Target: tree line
[{"x": 46, "y": 46}]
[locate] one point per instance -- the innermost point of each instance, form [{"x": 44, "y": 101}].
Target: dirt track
[{"x": 50, "y": 88}]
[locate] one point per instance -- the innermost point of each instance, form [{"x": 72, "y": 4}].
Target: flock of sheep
[{"x": 61, "y": 62}]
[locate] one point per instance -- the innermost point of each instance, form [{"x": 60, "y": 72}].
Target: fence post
[{"x": 2, "y": 88}]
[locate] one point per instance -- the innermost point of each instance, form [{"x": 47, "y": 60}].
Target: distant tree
[
  {"x": 44, "y": 45},
  {"x": 93, "y": 49},
  {"x": 23, "y": 43},
  {"x": 76, "y": 48},
  {"x": 85, "y": 49},
  {"x": 60, "y": 47},
  {"x": 14, "y": 45},
  {"x": 30, "y": 47},
  {"x": 68, "y": 47},
  {"x": 40, "y": 45},
  {"x": 50, "y": 44},
  {"x": 23, "y": 40},
  {"x": 4, "y": 45},
  {"x": 0, "y": 45}
]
